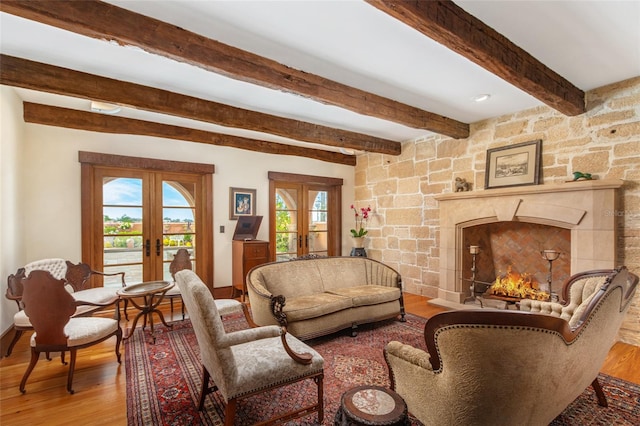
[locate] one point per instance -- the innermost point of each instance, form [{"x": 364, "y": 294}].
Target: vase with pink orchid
[{"x": 361, "y": 217}]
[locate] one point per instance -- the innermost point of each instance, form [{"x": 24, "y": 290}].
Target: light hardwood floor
[{"x": 100, "y": 382}]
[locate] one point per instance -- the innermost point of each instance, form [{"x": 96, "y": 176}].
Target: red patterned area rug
[{"x": 163, "y": 380}]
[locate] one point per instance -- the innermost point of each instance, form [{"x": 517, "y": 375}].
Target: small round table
[
  {"x": 371, "y": 406},
  {"x": 152, "y": 293}
]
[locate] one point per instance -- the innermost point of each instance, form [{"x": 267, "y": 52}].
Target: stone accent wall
[{"x": 404, "y": 225}]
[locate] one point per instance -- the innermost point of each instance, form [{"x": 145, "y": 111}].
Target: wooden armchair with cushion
[
  {"x": 49, "y": 307},
  {"x": 249, "y": 361},
  {"x": 510, "y": 367},
  {"x": 77, "y": 279},
  {"x": 182, "y": 260}
]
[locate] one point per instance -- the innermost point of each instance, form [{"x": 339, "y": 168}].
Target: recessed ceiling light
[
  {"x": 481, "y": 98},
  {"x": 105, "y": 108}
]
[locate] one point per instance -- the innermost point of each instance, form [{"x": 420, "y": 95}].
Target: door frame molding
[{"x": 88, "y": 162}]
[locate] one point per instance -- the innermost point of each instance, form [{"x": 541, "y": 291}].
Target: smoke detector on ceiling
[{"x": 105, "y": 108}]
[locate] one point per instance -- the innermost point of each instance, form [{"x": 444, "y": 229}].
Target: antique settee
[
  {"x": 318, "y": 296},
  {"x": 513, "y": 367}
]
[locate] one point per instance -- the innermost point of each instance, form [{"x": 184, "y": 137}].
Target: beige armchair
[
  {"x": 182, "y": 260},
  {"x": 248, "y": 361},
  {"x": 49, "y": 308},
  {"x": 510, "y": 367}
]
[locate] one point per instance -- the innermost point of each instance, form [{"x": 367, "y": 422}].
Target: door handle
[
  {"x": 307, "y": 241},
  {"x": 147, "y": 247},
  {"x": 158, "y": 246},
  {"x": 300, "y": 241}
]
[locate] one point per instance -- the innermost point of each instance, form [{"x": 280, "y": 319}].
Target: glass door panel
[
  {"x": 287, "y": 236},
  {"x": 318, "y": 214},
  {"x": 122, "y": 212},
  {"x": 178, "y": 221}
]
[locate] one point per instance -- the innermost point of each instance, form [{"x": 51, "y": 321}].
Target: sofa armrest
[{"x": 277, "y": 309}]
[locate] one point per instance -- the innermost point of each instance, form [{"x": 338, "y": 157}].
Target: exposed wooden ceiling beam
[
  {"x": 104, "y": 21},
  {"x": 451, "y": 26},
  {"x": 81, "y": 120},
  {"x": 48, "y": 78}
]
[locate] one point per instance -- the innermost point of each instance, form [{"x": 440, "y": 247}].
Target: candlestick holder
[
  {"x": 550, "y": 256},
  {"x": 474, "y": 250}
]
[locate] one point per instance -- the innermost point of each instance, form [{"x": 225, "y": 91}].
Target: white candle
[{"x": 474, "y": 249}]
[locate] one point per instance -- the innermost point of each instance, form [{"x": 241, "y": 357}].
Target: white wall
[
  {"x": 50, "y": 187},
  {"x": 12, "y": 243}
]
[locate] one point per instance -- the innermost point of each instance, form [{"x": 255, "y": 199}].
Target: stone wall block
[
  {"x": 385, "y": 187},
  {"x": 593, "y": 162},
  {"x": 440, "y": 164},
  {"x": 377, "y": 174},
  {"x": 409, "y": 200},
  {"x": 452, "y": 148},
  {"x": 510, "y": 129},
  {"x": 546, "y": 123},
  {"x": 407, "y": 216},
  {"x": 629, "y": 149},
  {"x": 401, "y": 169},
  {"x": 425, "y": 150},
  {"x": 620, "y": 131},
  {"x": 610, "y": 117},
  {"x": 409, "y": 185}
]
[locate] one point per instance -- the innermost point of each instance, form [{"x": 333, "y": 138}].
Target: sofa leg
[{"x": 354, "y": 330}]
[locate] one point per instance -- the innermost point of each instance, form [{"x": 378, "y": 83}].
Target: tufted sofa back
[{"x": 578, "y": 292}]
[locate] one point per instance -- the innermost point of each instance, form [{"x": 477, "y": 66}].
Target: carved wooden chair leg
[
  {"x": 72, "y": 367},
  {"x": 602, "y": 399},
  {"x": 204, "y": 389},
  {"x": 15, "y": 339},
  {"x": 319, "y": 380},
  {"x": 182, "y": 304},
  {"x": 230, "y": 412},
  {"x": 32, "y": 363}
]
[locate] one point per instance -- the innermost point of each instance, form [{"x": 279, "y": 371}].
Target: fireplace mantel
[{"x": 586, "y": 208}]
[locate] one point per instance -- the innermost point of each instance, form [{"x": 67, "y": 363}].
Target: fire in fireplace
[{"x": 516, "y": 285}]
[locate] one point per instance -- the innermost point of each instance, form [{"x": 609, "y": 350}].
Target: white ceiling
[{"x": 590, "y": 43}]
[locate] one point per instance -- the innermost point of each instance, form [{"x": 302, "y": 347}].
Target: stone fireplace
[{"x": 516, "y": 223}]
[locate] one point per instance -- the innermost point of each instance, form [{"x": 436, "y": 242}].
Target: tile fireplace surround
[{"x": 586, "y": 208}]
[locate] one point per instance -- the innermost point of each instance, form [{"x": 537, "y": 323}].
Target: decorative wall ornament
[{"x": 462, "y": 185}]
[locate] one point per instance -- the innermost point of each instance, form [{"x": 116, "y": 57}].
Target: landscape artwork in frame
[
  {"x": 242, "y": 202},
  {"x": 513, "y": 165}
]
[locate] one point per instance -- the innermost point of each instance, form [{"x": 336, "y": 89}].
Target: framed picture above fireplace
[{"x": 513, "y": 165}]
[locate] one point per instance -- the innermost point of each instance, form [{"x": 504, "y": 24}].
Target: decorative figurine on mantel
[
  {"x": 581, "y": 176},
  {"x": 462, "y": 185}
]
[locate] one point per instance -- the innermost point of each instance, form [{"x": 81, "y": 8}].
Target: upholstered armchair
[
  {"x": 182, "y": 260},
  {"x": 76, "y": 278},
  {"x": 49, "y": 307},
  {"x": 248, "y": 361},
  {"x": 510, "y": 367}
]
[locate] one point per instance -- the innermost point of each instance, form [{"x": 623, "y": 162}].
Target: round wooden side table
[
  {"x": 371, "y": 406},
  {"x": 151, "y": 293}
]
